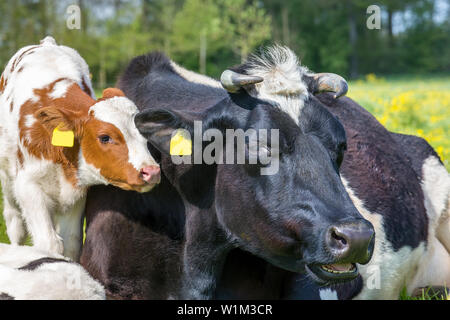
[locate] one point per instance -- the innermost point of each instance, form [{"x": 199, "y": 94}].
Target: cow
[
  {"x": 30, "y": 274},
  {"x": 172, "y": 242},
  {"x": 428, "y": 264},
  {"x": 395, "y": 181},
  {"x": 57, "y": 140},
  {"x": 382, "y": 171},
  {"x": 399, "y": 184}
]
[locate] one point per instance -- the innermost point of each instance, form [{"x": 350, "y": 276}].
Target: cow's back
[
  {"x": 384, "y": 182},
  {"x": 154, "y": 80}
]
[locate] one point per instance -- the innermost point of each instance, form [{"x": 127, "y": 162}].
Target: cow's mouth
[{"x": 333, "y": 272}]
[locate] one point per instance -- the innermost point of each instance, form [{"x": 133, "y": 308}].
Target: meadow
[{"x": 418, "y": 106}]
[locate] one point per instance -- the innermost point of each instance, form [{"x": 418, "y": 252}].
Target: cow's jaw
[{"x": 332, "y": 273}]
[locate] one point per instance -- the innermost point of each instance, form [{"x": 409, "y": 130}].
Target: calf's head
[{"x": 109, "y": 148}]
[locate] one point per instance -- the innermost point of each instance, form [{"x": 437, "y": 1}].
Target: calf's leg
[
  {"x": 36, "y": 210},
  {"x": 69, "y": 225},
  {"x": 14, "y": 223}
]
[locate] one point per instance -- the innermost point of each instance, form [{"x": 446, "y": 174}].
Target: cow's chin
[
  {"x": 332, "y": 273},
  {"x": 145, "y": 187}
]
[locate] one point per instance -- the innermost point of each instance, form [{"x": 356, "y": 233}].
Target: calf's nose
[
  {"x": 351, "y": 242},
  {"x": 151, "y": 174}
]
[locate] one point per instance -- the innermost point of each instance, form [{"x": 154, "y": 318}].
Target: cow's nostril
[
  {"x": 338, "y": 238},
  {"x": 151, "y": 174},
  {"x": 351, "y": 242}
]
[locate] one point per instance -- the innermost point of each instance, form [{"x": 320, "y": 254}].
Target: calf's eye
[{"x": 104, "y": 139}]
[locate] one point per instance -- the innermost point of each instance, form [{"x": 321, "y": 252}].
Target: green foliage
[
  {"x": 211, "y": 35},
  {"x": 3, "y": 235},
  {"x": 245, "y": 26}
]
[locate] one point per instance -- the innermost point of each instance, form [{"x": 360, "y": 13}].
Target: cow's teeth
[{"x": 326, "y": 268}]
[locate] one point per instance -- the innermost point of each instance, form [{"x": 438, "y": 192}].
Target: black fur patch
[
  {"x": 39, "y": 262},
  {"x": 382, "y": 177},
  {"x": 5, "y": 296}
]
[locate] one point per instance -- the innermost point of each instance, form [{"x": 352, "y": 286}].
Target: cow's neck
[
  {"x": 205, "y": 249},
  {"x": 206, "y": 244}
]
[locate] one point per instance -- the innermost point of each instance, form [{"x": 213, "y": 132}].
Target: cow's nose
[
  {"x": 151, "y": 174},
  {"x": 351, "y": 242}
]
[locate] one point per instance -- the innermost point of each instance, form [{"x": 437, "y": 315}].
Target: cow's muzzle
[{"x": 347, "y": 243}]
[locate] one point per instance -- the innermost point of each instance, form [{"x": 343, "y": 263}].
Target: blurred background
[
  {"x": 210, "y": 35},
  {"x": 399, "y": 72}
]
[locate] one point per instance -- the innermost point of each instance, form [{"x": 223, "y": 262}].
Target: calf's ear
[
  {"x": 65, "y": 119},
  {"x": 112, "y": 92},
  {"x": 159, "y": 126}
]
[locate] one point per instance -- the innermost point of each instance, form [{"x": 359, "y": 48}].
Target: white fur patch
[
  {"x": 50, "y": 281},
  {"x": 87, "y": 174},
  {"x": 195, "y": 77},
  {"x": 29, "y": 120},
  {"x": 328, "y": 294},
  {"x": 435, "y": 265},
  {"x": 60, "y": 89},
  {"x": 388, "y": 271},
  {"x": 283, "y": 84},
  {"x": 436, "y": 188}
]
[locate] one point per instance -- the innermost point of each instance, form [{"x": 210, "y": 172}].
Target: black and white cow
[
  {"x": 381, "y": 172},
  {"x": 27, "y": 273},
  {"x": 399, "y": 184},
  {"x": 396, "y": 181},
  {"x": 173, "y": 241}
]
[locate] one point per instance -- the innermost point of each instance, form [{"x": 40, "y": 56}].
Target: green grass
[
  {"x": 3, "y": 236},
  {"x": 417, "y": 106}
]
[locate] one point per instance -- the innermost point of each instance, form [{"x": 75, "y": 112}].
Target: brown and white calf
[{"x": 44, "y": 87}]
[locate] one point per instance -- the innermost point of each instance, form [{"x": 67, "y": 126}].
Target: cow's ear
[
  {"x": 160, "y": 126},
  {"x": 112, "y": 92},
  {"x": 65, "y": 119}
]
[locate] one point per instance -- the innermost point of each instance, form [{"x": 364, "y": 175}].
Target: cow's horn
[
  {"x": 330, "y": 82},
  {"x": 233, "y": 81}
]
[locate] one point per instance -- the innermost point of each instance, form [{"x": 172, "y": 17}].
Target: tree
[
  {"x": 246, "y": 25},
  {"x": 196, "y": 27}
]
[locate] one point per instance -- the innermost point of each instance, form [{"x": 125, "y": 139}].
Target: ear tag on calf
[
  {"x": 62, "y": 138},
  {"x": 181, "y": 144}
]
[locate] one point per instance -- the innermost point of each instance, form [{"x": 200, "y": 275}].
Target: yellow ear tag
[
  {"x": 62, "y": 138},
  {"x": 181, "y": 144}
]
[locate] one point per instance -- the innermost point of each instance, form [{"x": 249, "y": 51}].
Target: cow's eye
[{"x": 104, "y": 139}]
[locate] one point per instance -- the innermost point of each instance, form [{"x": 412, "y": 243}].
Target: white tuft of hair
[{"x": 282, "y": 73}]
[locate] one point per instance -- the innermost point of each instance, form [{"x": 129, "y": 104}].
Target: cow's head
[
  {"x": 300, "y": 217},
  {"x": 111, "y": 150}
]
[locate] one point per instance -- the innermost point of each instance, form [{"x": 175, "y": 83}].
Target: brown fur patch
[
  {"x": 37, "y": 138},
  {"x": 85, "y": 88},
  {"x": 111, "y": 93},
  {"x": 2, "y": 84},
  {"x": 20, "y": 157}
]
